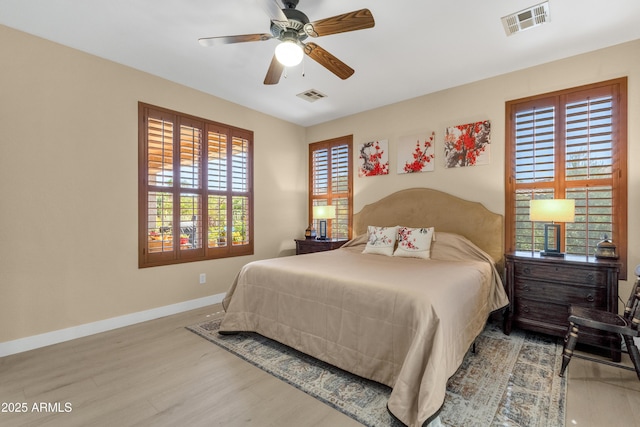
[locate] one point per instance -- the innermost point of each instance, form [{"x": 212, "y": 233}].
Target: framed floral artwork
[
  {"x": 416, "y": 153},
  {"x": 467, "y": 145},
  {"x": 373, "y": 158}
]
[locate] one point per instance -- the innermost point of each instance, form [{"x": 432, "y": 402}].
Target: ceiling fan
[{"x": 292, "y": 27}]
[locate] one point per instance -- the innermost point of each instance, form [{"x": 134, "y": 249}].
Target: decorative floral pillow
[
  {"x": 381, "y": 240},
  {"x": 414, "y": 242}
]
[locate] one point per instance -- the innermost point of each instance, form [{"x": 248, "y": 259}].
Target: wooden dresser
[
  {"x": 307, "y": 246},
  {"x": 540, "y": 290}
]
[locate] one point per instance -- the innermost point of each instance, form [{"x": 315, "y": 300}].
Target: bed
[{"x": 403, "y": 321}]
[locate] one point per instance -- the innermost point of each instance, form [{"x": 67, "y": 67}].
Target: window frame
[
  {"x": 560, "y": 185},
  {"x": 178, "y": 254},
  {"x": 330, "y": 195}
]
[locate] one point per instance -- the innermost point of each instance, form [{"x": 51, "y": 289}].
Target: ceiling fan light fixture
[{"x": 289, "y": 53}]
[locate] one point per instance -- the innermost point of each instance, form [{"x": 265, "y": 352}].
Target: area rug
[{"x": 509, "y": 380}]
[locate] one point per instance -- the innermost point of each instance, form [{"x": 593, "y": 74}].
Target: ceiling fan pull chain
[{"x": 303, "y": 72}]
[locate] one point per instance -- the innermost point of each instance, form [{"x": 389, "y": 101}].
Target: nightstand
[
  {"x": 307, "y": 246},
  {"x": 540, "y": 290}
]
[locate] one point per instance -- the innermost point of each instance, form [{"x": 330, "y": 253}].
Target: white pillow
[
  {"x": 381, "y": 240},
  {"x": 414, "y": 242}
]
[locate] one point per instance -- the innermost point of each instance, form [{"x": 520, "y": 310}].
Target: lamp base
[
  {"x": 323, "y": 230},
  {"x": 552, "y": 241},
  {"x": 554, "y": 254}
]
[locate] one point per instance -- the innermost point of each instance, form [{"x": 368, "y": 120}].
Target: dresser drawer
[
  {"x": 308, "y": 246},
  {"x": 561, "y": 273},
  {"x": 553, "y": 319},
  {"x": 542, "y": 311},
  {"x": 586, "y": 296}
]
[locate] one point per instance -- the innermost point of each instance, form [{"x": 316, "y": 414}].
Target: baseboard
[{"x": 62, "y": 335}]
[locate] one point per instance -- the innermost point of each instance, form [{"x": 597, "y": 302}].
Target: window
[
  {"x": 569, "y": 144},
  {"x": 331, "y": 182},
  {"x": 195, "y": 188}
]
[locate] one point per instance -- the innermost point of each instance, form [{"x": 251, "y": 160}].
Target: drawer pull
[
  {"x": 590, "y": 277},
  {"x": 527, "y": 270},
  {"x": 590, "y": 298},
  {"x": 525, "y": 308},
  {"x": 526, "y": 288}
]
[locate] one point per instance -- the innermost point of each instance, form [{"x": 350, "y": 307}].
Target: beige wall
[
  {"x": 68, "y": 188},
  {"x": 484, "y": 100}
]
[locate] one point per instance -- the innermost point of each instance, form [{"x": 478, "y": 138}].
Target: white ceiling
[{"x": 416, "y": 47}]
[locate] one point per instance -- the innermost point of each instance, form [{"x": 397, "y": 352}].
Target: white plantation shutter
[
  {"x": 330, "y": 182},
  {"x": 197, "y": 198},
  {"x": 570, "y": 144}
]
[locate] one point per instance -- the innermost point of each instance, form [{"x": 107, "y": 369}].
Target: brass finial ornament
[
  {"x": 606, "y": 249},
  {"x": 310, "y": 232}
]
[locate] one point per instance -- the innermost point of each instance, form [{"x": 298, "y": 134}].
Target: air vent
[
  {"x": 527, "y": 18},
  {"x": 311, "y": 95}
]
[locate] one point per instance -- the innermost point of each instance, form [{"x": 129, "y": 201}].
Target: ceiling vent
[
  {"x": 311, "y": 95},
  {"x": 527, "y": 18}
]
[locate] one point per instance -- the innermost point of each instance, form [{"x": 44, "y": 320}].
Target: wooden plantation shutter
[
  {"x": 217, "y": 173},
  {"x": 241, "y": 198},
  {"x": 589, "y": 164},
  {"x": 189, "y": 190},
  {"x": 534, "y": 170},
  {"x": 330, "y": 183},
  {"x": 158, "y": 224},
  {"x": 569, "y": 144},
  {"x": 196, "y": 198}
]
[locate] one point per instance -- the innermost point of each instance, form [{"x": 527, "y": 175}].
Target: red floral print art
[
  {"x": 373, "y": 158},
  {"x": 463, "y": 144},
  {"x": 421, "y": 156}
]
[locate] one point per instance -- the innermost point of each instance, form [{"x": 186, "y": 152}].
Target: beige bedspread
[{"x": 404, "y": 322}]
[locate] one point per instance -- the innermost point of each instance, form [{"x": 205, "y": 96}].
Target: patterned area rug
[{"x": 509, "y": 381}]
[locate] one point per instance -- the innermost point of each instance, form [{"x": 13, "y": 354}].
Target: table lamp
[
  {"x": 323, "y": 213},
  {"x": 553, "y": 210}
]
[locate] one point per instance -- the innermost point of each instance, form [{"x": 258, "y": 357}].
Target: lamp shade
[
  {"x": 289, "y": 53},
  {"x": 555, "y": 210},
  {"x": 324, "y": 212}
]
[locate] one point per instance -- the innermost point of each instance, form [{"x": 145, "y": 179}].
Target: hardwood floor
[{"x": 158, "y": 373}]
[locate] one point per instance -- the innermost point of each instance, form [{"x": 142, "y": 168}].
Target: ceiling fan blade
[
  {"x": 328, "y": 61},
  {"x": 356, "y": 20},
  {"x": 274, "y": 72},
  {"x": 217, "y": 41},
  {"x": 274, "y": 10}
]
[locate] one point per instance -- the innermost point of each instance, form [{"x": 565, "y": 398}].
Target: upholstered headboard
[{"x": 424, "y": 207}]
